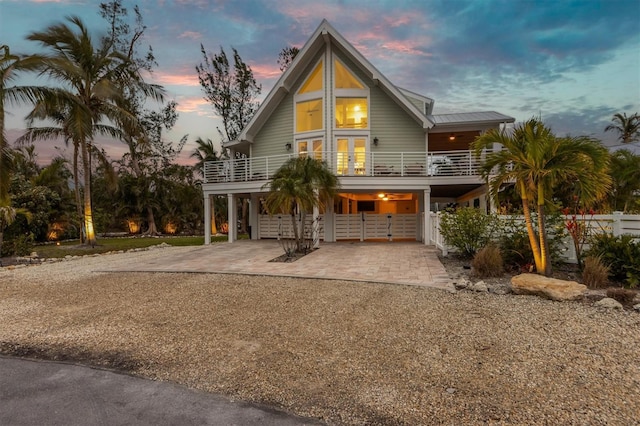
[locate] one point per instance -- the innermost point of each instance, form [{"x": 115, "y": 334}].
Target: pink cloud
[
  {"x": 193, "y": 35},
  {"x": 409, "y": 47},
  {"x": 196, "y": 105},
  {"x": 176, "y": 79},
  {"x": 266, "y": 72}
]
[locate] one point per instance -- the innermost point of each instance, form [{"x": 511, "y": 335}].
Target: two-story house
[{"x": 396, "y": 161}]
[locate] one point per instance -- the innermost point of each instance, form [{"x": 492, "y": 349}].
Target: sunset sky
[{"x": 575, "y": 63}]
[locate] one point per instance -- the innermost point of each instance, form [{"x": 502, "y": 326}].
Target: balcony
[{"x": 384, "y": 164}]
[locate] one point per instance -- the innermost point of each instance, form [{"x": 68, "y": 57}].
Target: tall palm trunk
[
  {"x": 76, "y": 192},
  {"x": 88, "y": 212},
  {"x": 533, "y": 241},
  {"x": 542, "y": 229},
  {"x": 296, "y": 234},
  {"x": 214, "y": 227}
]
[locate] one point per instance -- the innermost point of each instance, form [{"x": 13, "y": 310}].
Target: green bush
[
  {"x": 20, "y": 245},
  {"x": 621, "y": 254},
  {"x": 468, "y": 229}
]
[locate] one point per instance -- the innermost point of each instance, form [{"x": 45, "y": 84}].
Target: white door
[{"x": 351, "y": 156}]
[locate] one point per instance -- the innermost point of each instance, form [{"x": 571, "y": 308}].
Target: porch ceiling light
[
  {"x": 381, "y": 195},
  {"x": 452, "y": 137}
]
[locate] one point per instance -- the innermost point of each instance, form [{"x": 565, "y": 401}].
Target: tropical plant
[
  {"x": 625, "y": 173},
  {"x": 299, "y": 186},
  {"x": 10, "y": 65},
  {"x": 7, "y": 216},
  {"x": 468, "y": 229},
  {"x": 206, "y": 151},
  {"x": 628, "y": 128},
  {"x": 514, "y": 243},
  {"x": 148, "y": 152},
  {"x": 621, "y": 254},
  {"x": 93, "y": 80},
  {"x": 537, "y": 162}
]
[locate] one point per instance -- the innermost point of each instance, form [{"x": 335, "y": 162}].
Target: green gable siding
[
  {"x": 395, "y": 129},
  {"x": 417, "y": 102},
  {"x": 276, "y": 132}
]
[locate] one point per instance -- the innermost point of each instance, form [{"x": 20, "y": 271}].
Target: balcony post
[
  {"x": 232, "y": 221},
  {"x": 207, "y": 219},
  {"x": 427, "y": 216}
]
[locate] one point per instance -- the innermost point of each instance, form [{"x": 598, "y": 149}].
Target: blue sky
[{"x": 575, "y": 63}]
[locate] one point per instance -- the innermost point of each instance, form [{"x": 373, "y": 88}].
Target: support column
[
  {"x": 207, "y": 219},
  {"x": 427, "y": 216},
  {"x": 483, "y": 203},
  {"x": 328, "y": 225},
  {"x": 232, "y": 218},
  {"x": 493, "y": 208},
  {"x": 254, "y": 210},
  {"x": 315, "y": 234}
]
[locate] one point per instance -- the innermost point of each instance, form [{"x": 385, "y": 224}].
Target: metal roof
[{"x": 470, "y": 117}]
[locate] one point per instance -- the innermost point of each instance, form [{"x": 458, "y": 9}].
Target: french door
[
  {"x": 313, "y": 148},
  {"x": 351, "y": 156}
]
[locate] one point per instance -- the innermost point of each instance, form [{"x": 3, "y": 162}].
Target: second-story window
[
  {"x": 309, "y": 102},
  {"x": 351, "y": 99}
]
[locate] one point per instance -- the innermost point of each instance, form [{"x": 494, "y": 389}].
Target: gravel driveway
[{"x": 343, "y": 352}]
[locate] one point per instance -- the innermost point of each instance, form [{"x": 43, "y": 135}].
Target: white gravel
[{"x": 343, "y": 352}]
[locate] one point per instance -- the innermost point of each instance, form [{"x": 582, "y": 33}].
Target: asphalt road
[{"x": 50, "y": 393}]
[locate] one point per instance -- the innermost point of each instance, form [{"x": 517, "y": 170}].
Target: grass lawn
[{"x": 104, "y": 245}]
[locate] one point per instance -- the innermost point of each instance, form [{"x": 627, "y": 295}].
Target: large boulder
[{"x": 549, "y": 288}]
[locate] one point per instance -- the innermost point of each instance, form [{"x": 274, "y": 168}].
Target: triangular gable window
[
  {"x": 345, "y": 79},
  {"x": 314, "y": 82}
]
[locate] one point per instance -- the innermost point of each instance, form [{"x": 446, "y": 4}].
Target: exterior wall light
[
  {"x": 375, "y": 141},
  {"x": 287, "y": 146}
]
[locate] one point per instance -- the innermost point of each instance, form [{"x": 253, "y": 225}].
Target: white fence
[
  {"x": 361, "y": 226},
  {"x": 280, "y": 226},
  {"x": 616, "y": 224}
]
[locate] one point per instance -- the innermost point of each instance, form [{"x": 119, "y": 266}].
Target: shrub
[
  {"x": 515, "y": 246},
  {"x": 622, "y": 295},
  {"x": 621, "y": 254},
  {"x": 595, "y": 273},
  {"x": 488, "y": 262},
  {"x": 468, "y": 229}
]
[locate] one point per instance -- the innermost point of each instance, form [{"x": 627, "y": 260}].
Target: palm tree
[
  {"x": 301, "y": 184},
  {"x": 94, "y": 80},
  {"x": 537, "y": 162},
  {"x": 7, "y": 216},
  {"x": 10, "y": 65},
  {"x": 625, "y": 172},
  {"x": 628, "y": 128},
  {"x": 205, "y": 151}
]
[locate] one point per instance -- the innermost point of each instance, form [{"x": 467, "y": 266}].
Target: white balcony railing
[{"x": 384, "y": 164}]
